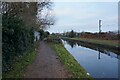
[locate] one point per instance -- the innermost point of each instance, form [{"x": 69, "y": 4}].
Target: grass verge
[
  {"x": 70, "y": 63},
  {"x": 20, "y": 65},
  {"x": 96, "y": 41}
]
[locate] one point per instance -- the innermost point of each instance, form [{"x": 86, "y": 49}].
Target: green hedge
[{"x": 16, "y": 39}]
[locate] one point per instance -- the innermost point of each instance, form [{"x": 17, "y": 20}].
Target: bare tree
[{"x": 30, "y": 12}]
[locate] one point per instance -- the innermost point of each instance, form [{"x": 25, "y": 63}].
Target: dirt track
[{"x": 46, "y": 64}]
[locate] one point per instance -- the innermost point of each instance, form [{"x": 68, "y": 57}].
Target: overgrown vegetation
[
  {"x": 43, "y": 34},
  {"x": 20, "y": 65},
  {"x": 70, "y": 63},
  {"x": 16, "y": 39},
  {"x": 19, "y": 22}
]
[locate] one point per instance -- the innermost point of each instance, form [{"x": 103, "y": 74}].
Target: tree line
[{"x": 103, "y": 35}]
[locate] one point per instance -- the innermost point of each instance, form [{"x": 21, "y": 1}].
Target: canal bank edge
[
  {"x": 70, "y": 63},
  {"x": 117, "y": 47}
]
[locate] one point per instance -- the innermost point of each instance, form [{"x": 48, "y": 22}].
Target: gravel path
[{"x": 46, "y": 64}]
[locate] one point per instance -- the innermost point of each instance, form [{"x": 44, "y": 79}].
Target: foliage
[
  {"x": 47, "y": 33},
  {"x": 43, "y": 34},
  {"x": 41, "y": 31},
  {"x": 16, "y": 39},
  {"x": 71, "y": 34},
  {"x": 19, "y": 22},
  {"x": 20, "y": 66}
]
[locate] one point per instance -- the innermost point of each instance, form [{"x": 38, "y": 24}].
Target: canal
[{"x": 98, "y": 62}]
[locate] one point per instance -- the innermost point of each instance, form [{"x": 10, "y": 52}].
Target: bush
[{"x": 16, "y": 39}]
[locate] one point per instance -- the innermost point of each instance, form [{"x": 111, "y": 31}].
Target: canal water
[{"x": 99, "y": 63}]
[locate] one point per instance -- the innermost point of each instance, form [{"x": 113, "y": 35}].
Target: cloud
[{"x": 64, "y": 12}]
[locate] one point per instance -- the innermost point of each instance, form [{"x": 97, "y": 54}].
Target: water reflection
[
  {"x": 99, "y": 49},
  {"x": 99, "y": 55},
  {"x": 99, "y": 62}
]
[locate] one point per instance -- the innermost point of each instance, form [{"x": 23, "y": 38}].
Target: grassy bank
[
  {"x": 20, "y": 65},
  {"x": 71, "y": 64},
  {"x": 105, "y": 43}
]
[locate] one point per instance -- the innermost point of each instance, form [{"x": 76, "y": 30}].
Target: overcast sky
[{"x": 84, "y": 16}]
